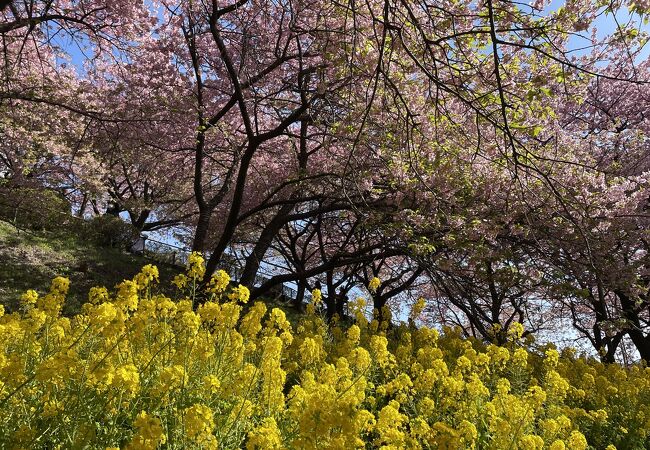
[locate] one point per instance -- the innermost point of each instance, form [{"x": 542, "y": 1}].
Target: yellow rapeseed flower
[
  {"x": 29, "y": 298},
  {"x": 374, "y": 284},
  {"x": 199, "y": 423},
  {"x": 240, "y": 294},
  {"x": 207, "y": 372},
  {"x": 265, "y": 436},
  {"x": 195, "y": 266},
  {"x": 149, "y": 433},
  {"x": 219, "y": 282}
]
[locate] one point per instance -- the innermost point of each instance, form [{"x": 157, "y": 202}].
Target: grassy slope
[{"x": 29, "y": 260}]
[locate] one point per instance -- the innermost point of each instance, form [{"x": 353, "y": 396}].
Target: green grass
[{"x": 29, "y": 260}]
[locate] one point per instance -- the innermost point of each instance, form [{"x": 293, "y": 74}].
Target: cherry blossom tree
[{"x": 497, "y": 150}]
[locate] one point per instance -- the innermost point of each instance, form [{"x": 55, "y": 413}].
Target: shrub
[
  {"x": 137, "y": 369},
  {"x": 110, "y": 231},
  {"x": 35, "y": 208}
]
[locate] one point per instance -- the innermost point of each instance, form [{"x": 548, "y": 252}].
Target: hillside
[{"x": 29, "y": 260}]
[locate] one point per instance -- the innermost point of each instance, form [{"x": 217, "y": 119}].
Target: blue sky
[{"x": 605, "y": 25}]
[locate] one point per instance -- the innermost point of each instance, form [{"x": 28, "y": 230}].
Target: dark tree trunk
[
  {"x": 235, "y": 207},
  {"x": 263, "y": 243},
  {"x": 330, "y": 299},
  {"x": 82, "y": 207},
  {"x": 639, "y": 339},
  {"x": 378, "y": 304},
  {"x": 340, "y": 304},
  {"x": 201, "y": 233},
  {"x": 641, "y": 342},
  {"x": 612, "y": 346},
  {"x": 140, "y": 221},
  {"x": 297, "y": 302},
  {"x": 113, "y": 209}
]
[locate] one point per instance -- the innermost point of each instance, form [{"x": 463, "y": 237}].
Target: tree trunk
[
  {"x": 330, "y": 299},
  {"x": 340, "y": 303},
  {"x": 201, "y": 233},
  {"x": 297, "y": 302},
  {"x": 263, "y": 243},
  {"x": 640, "y": 341},
  {"x": 378, "y": 304},
  {"x": 612, "y": 346},
  {"x": 113, "y": 209},
  {"x": 233, "y": 215},
  {"x": 139, "y": 220},
  {"x": 82, "y": 207}
]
